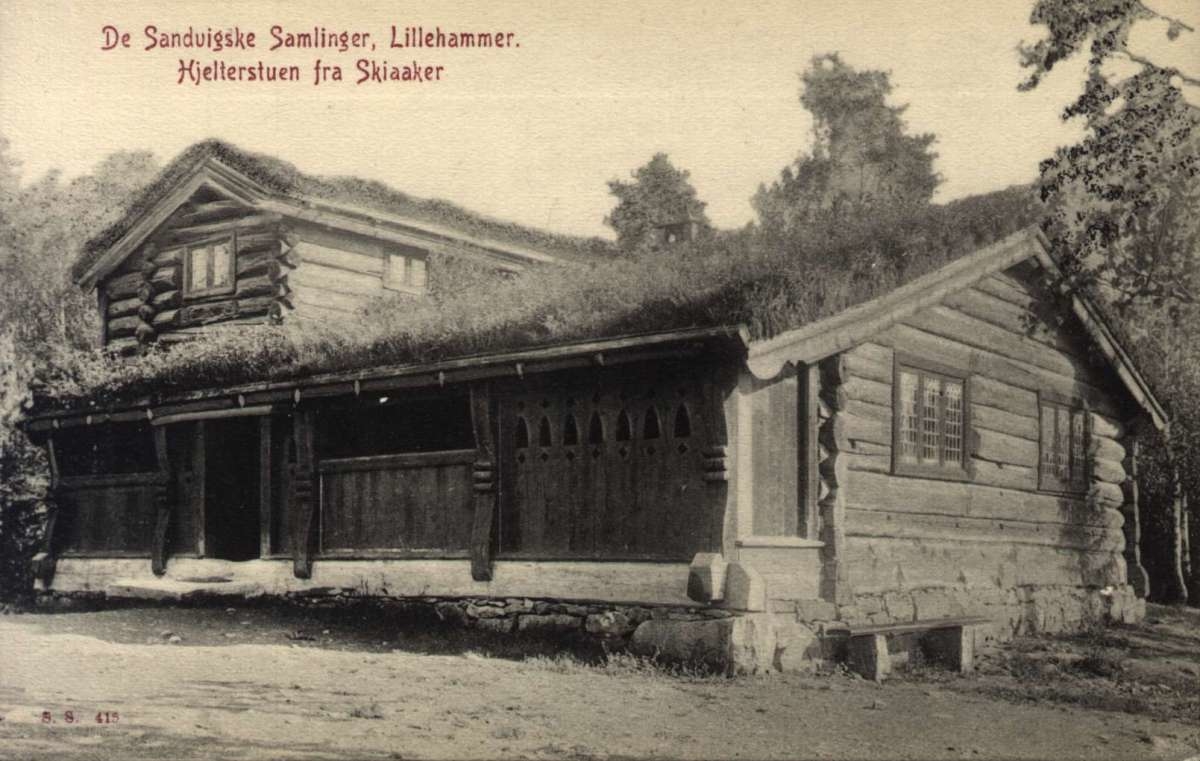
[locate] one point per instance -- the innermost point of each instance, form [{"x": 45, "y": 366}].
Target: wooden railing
[
  {"x": 417, "y": 503},
  {"x": 107, "y": 515}
]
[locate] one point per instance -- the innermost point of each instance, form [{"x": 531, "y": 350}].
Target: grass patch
[
  {"x": 626, "y": 664},
  {"x": 371, "y": 711}
]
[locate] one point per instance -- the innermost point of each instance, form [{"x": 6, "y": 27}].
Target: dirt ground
[{"x": 259, "y": 683}]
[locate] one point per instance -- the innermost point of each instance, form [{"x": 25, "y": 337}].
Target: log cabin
[{"x": 957, "y": 448}]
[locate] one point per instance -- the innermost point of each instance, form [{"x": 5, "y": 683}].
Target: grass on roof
[
  {"x": 283, "y": 177},
  {"x": 738, "y": 278}
]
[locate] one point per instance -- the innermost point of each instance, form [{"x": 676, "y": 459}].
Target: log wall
[
  {"x": 997, "y": 528},
  {"x": 145, "y": 299}
]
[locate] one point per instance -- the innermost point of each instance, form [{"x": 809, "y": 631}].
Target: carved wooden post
[
  {"x": 716, "y": 461},
  {"x": 302, "y": 494},
  {"x": 484, "y": 478},
  {"x": 835, "y": 582},
  {"x": 44, "y": 562},
  {"x": 1138, "y": 578},
  {"x": 162, "y": 503}
]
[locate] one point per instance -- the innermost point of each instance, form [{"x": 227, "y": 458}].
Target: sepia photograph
[{"x": 672, "y": 379}]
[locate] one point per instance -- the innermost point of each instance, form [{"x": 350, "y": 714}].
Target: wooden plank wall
[
  {"x": 997, "y": 528},
  {"x": 775, "y": 460},
  {"x": 145, "y": 299},
  {"x": 418, "y": 501},
  {"x": 337, "y": 274},
  {"x": 107, "y": 518}
]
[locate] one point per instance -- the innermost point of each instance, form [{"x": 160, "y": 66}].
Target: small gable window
[
  {"x": 930, "y": 422},
  {"x": 209, "y": 268},
  {"x": 405, "y": 273},
  {"x": 1063, "y": 441}
]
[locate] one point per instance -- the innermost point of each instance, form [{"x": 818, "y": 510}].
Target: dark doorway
[{"x": 231, "y": 495}]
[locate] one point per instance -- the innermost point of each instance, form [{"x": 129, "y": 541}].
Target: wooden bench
[{"x": 948, "y": 641}]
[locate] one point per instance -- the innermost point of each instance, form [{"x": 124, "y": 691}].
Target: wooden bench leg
[
  {"x": 952, "y": 647},
  {"x": 868, "y": 656}
]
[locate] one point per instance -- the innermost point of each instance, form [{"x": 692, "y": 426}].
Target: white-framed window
[
  {"x": 406, "y": 273},
  {"x": 1063, "y": 441},
  {"x": 209, "y": 268},
  {"x": 931, "y": 424}
]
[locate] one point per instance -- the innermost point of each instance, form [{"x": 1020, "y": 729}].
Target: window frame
[
  {"x": 1075, "y": 406},
  {"x": 218, "y": 290},
  {"x": 923, "y": 368},
  {"x": 405, "y": 285}
]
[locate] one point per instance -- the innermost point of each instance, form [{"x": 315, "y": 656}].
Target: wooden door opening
[{"x": 232, "y": 516}]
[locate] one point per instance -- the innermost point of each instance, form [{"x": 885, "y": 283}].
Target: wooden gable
[{"x": 214, "y": 259}]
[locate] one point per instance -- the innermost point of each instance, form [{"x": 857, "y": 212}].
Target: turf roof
[
  {"x": 282, "y": 177},
  {"x": 741, "y": 278}
]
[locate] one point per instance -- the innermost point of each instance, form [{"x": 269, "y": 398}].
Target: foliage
[
  {"x": 659, "y": 195},
  {"x": 740, "y": 278},
  {"x": 1124, "y": 204},
  {"x": 862, "y": 161},
  {"x": 42, "y": 315},
  {"x": 1123, "y": 219}
]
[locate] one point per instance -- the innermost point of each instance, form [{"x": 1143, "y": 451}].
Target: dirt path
[{"x": 201, "y": 698}]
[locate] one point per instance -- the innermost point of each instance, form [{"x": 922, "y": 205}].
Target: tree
[
  {"x": 1123, "y": 219},
  {"x": 1123, "y": 204},
  {"x": 862, "y": 158},
  {"x": 659, "y": 195}
]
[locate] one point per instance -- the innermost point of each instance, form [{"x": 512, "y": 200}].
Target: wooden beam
[
  {"x": 302, "y": 494},
  {"x": 484, "y": 478},
  {"x": 162, "y": 504}
]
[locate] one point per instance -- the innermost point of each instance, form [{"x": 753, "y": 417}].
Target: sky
[{"x": 532, "y": 133}]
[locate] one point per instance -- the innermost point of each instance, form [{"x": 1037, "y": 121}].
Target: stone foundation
[
  {"x": 722, "y": 640},
  {"x": 798, "y": 635}
]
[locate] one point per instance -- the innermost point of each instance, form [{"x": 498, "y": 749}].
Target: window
[
  {"x": 930, "y": 422},
  {"x": 209, "y": 268},
  {"x": 405, "y": 273},
  {"x": 1063, "y": 443}
]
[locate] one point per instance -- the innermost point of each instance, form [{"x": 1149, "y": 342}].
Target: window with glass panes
[
  {"x": 1063, "y": 443},
  {"x": 930, "y": 422},
  {"x": 209, "y": 268}
]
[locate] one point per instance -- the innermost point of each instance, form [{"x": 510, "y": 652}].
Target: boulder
[{"x": 742, "y": 645}]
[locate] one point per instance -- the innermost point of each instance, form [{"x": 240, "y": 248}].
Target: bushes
[{"x": 22, "y": 480}]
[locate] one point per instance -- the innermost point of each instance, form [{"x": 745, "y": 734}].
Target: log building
[{"x": 960, "y": 446}]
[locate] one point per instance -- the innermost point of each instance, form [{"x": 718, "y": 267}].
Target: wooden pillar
[
  {"x": 162, "y": 503},
  {"x": 264, "y": 485},
  {"x": 44, "y": 562},
  {"x": 834, "y": 468},
  {"x": 303, "y": 503},
  {"x": 197, "y": 484},
  {"x": 1134, "y": 570},
  {"x": 484, "y": 480}
]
